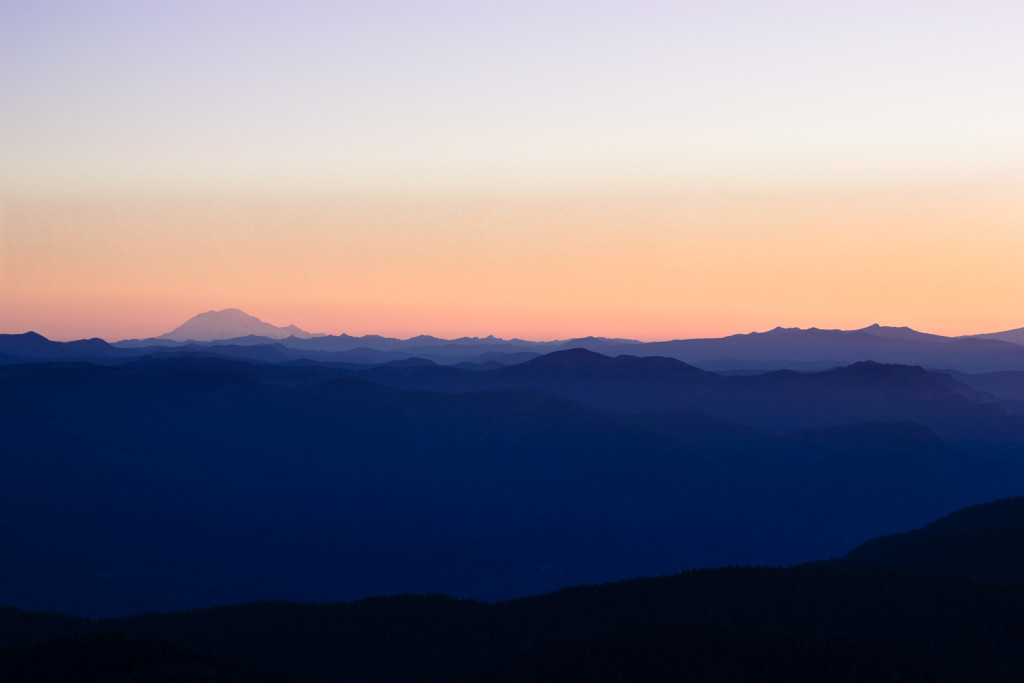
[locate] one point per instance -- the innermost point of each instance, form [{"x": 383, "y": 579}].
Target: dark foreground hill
[
  {"x": 981, "y": 542},
  {"x": 797, "y": 624},
  {"x": 810, "y": 623}
]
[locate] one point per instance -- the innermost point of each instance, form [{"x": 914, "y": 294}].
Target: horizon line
[{"x": 316, "y": 335}]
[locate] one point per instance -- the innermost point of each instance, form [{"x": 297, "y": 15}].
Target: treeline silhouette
[
  {"x": 798, "y": 624},
  {"x": 980, "y": 542},
  {"x": 834, "y": 621}
]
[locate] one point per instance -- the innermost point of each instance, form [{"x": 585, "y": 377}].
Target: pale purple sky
[
  {"x": 159, "y": 96},
  {"x": 545, "y": 169}
]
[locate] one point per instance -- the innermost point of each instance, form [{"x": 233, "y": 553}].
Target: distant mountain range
[
  {"x": 1013, "y": 336},
  {"x": 231, "y": 333},
  {"x": 797, "y": 348},
  {"x": 792, "y": 348},
  {"x": 776, "y": 400}
]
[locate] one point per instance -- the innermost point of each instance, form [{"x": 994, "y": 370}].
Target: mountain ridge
[{"x": 781, "y": 348}]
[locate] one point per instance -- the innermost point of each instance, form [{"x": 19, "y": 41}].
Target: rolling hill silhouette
[
  {"x": 806, "y": 623},
  {"x": 983, "y": 542},
  {"x": 777, "y": 401},
  {"x": 32, "y": 346},
  {"x": 1014, "y": 336}
]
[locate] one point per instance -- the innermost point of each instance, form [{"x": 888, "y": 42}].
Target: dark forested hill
[
  {"x": 981, "y": 542},
  {"x": 712, "y": 625}
]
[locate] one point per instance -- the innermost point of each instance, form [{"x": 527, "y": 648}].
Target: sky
[{"x": 650, "y": 170}]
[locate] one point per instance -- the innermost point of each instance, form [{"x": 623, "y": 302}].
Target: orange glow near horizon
[
  {"x": 942, "y": 259},
  {"x": 650, "y": 170}
]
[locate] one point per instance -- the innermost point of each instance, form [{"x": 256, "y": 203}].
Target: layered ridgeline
[
  {"x": 233, "y": 333},
  {"x": 811, "y": 623},
  {"x": 792, "y": 348},
  {"x": 172, "y": 482},
  {"x": 188, "y": 474}
]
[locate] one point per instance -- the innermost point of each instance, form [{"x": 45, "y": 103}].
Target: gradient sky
[{"x": 551, "y": 169}]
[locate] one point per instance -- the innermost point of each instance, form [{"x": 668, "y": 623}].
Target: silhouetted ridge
[
  {"x": 30, "y": 337},
  {"x": 980, "y": 542},
  {"x": 792, "y": 348},
  {"x": 915, "y": 377},
  {"x": 869, "y": 373},
  {"x": 1005, "y": 512},
  {"x": 1013, "y": 336},
  {"x": 804, "y": 348},
  {"x": 997, "y": 513},
  {"x": 637, "y": 367},
  {"x": 722, "y": 625},
  {"x": 33, "y": 346},
  {"x": 874, "y": 369},
  {"x": 902, "y": 332},
  {"x": 578, "y": 358},
  {"x": 781, "y": 400}
]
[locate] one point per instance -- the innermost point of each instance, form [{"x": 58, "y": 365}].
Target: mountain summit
[{"x": 229, "y": 324}]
